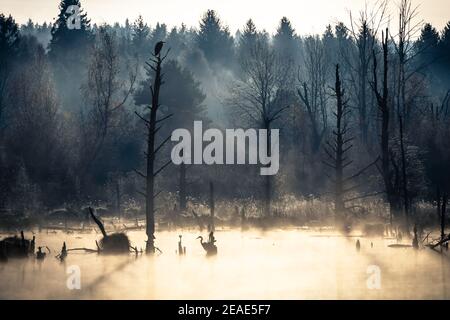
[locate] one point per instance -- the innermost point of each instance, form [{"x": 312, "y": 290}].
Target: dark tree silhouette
[
  {"x": 338, "y": 152},
  {"x": 214, "y": 39},
  {"x": 285, "y": 40},
  {"x": 247, "y": 40},
  {"x": 140, "y": 36},
  {"x": 153, "y": 126},
  {"x": 390, "y": 177},
  {"x": 9, "y": 45},
  {"x": 66, "y": 38}
]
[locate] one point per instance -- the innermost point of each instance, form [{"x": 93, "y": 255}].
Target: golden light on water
[{"x": 288, "y": 264}]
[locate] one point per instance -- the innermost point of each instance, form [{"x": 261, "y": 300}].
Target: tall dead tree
[
  {"x": 338, "y": 152},
  {"x": 211, "y": 205},
  {"x": 436, "y": 132},
  {"x": 153, "y": 127},
  {"x": 389, "y": 176},
  {"x": 182, "y": 186},
  {"x": 404, "y": 175}
]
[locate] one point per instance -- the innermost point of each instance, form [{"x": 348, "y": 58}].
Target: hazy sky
[{"x": 307, "y": 16}]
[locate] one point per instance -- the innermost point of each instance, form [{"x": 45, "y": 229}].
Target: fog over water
[{"x": 289, "y": 264}]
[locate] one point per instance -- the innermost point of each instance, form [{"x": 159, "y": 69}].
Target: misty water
[{"x": 278, "y": 264}]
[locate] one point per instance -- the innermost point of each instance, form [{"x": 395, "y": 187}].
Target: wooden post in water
[{"x": 211, "y": 205}]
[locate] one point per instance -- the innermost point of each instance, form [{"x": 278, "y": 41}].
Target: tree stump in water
[
  {"x": 15, "y": 247},
  {"x": 114, "y": 243}
]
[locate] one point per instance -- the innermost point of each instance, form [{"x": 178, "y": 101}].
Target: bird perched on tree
[{"x": 158, "y": 47}]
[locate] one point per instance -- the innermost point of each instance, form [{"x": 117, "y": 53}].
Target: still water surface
[{"x": 283, "y": 264}]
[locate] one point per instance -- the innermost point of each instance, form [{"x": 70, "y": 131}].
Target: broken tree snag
[
  {"x": 153, "y": 126},
  {"x": 63, "y": 254},
  {"x": 98, "y": 222},
  {"x": 115, "y": 243},
  {"x": 211, "y": 206}
]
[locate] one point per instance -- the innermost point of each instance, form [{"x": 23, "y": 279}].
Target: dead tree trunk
[
  {"x": 338, "y": 152},
  {"x": 443, "y": 215},
  {"x": 268, "y": 187},
  {"x": 383, "y": 105},
  {"x": 211, "y": 206},
  {"x": 152, "y": 126},
  {"x": 438, "y": 203},
  {"x": 363, "y": 45},
  {"x": 339, "y": 146},
  {"x": 182, "y": 187},
  {"x": 404, "y": 176},
  {"x": 118, "y": 197},
  {"x": 98, "y": 222}
]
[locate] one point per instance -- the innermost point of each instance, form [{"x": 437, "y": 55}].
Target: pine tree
[
  {"x": 140, "y": 39},
  {"x": 214, "y": 39},
  {"x": 285, "y": 40},
  {"x": 9, "y": 36},
  {"x": 248, "y": 39},
  {"x": 66, "y": 37},
  {"x": 444, "y": 49},
  {"x": 159, "y": 33},
  {"x": 9, "y": 45},
  {"x": 426, "y": 48}
]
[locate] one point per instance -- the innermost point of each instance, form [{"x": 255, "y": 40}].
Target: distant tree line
[{"x": 362, "y": 110}]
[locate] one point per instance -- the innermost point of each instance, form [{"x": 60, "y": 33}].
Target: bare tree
[
  {"x": 313, "y": 88},
  {"x": 390, "y": 177},
  {"x": 255, "y": 95},
  {"x": 408, "y": 28},
  {"x": 105, "y": 93},
  {"x": 358, "y": 59},
  {"x": 153, "y": 126},
  {"x": 338, "y": 152}
]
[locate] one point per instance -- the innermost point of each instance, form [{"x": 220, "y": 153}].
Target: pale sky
[{"x": 307, "y": 16}]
